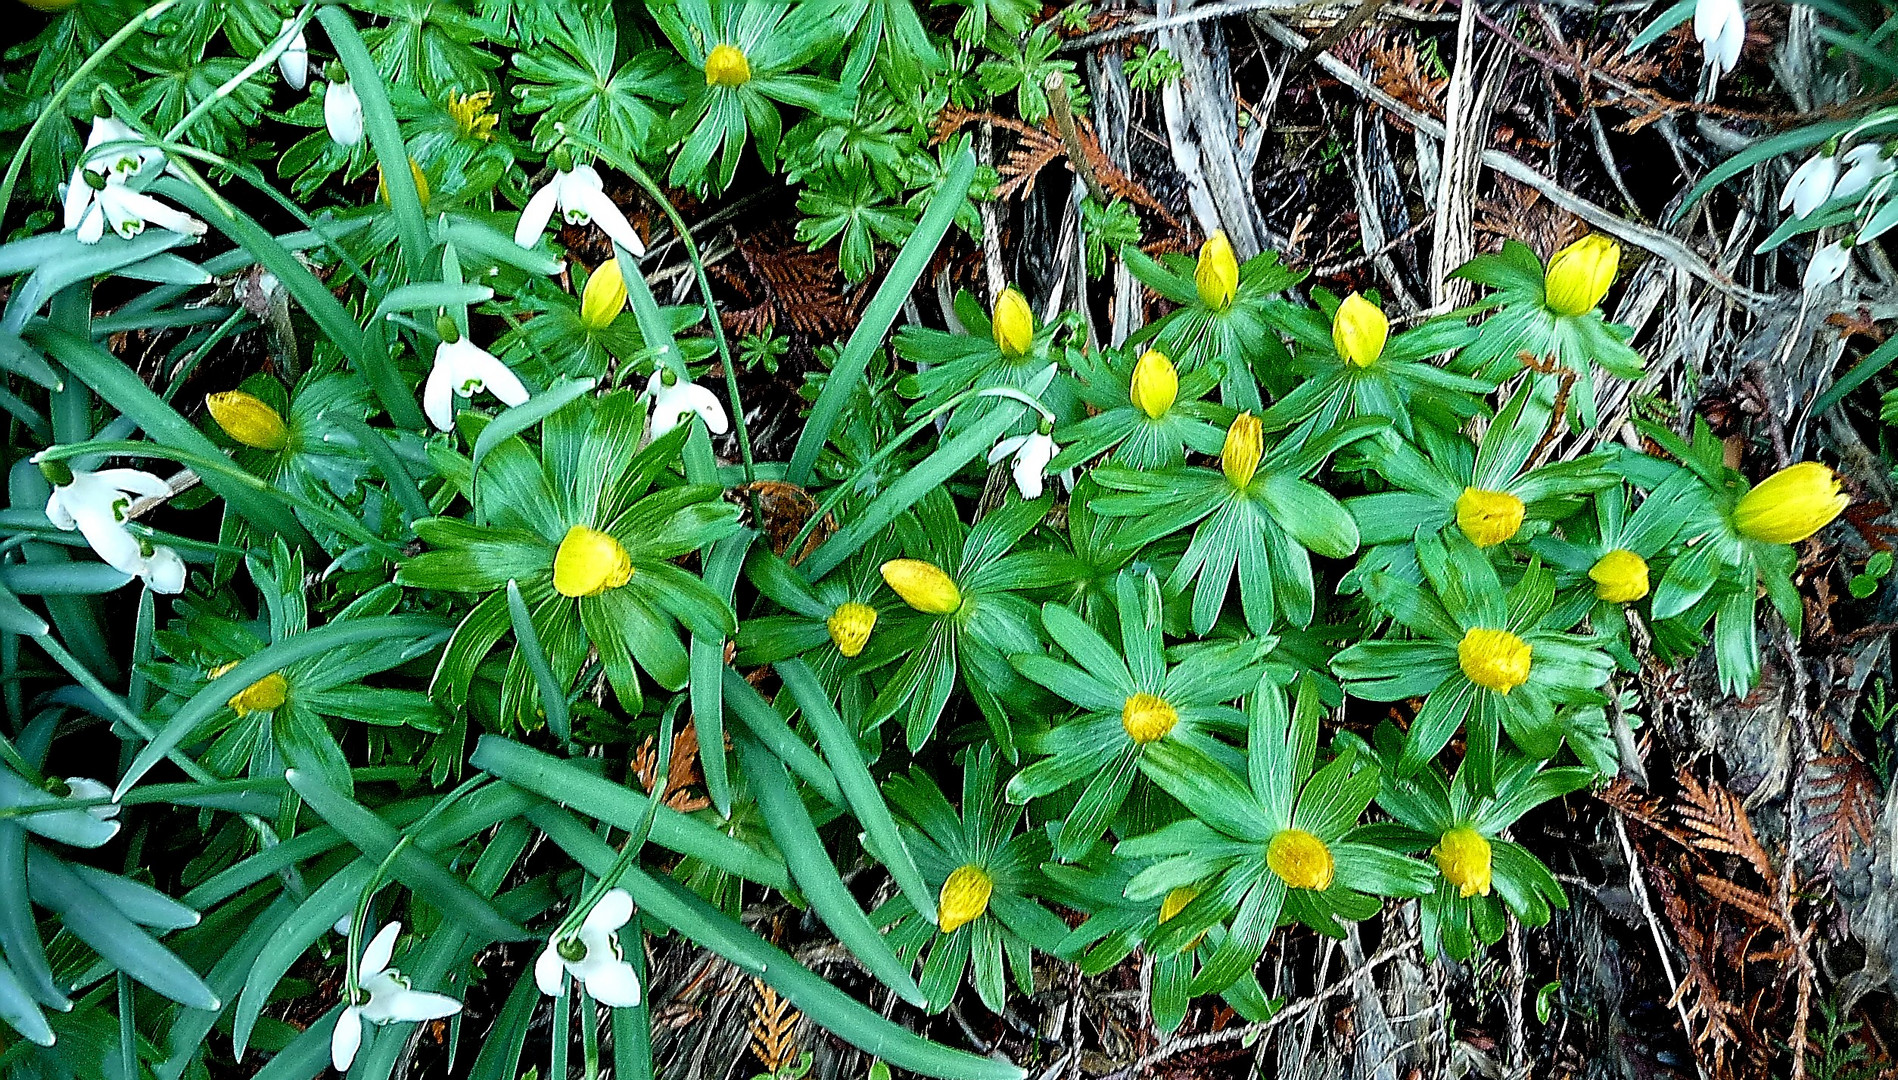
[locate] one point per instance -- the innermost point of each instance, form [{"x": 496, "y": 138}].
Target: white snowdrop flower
[
  {"x": 293, "y": 63},
  {"x": 164, "y": 571},
  {"x": 464, "y": 368},
  {"x": 1720, "y": 26},
  {"x": 95, "y": 504},
  {"x": 130, "y": 212},
  {"x": 1811, "y": 185},
  {"x": 1032, "y": 454},
  {"x": 593, "y": 956},
  {"x": 1861, "y": 166},
  {"x": 580, "y": 196},
  {"x": 342, "y": 113},
  {"x": 122, "y": 164},
  {"x": 382, "y": 997},
  {"x": 84, "y": 827},
  {"x": 1828, "y": 265},
  {"x": 675, "y": 399}
]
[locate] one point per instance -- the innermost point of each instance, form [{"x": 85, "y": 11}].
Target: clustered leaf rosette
[
  {"x": 1132, "y": 701},
  {"x": 299, "y": 441},
  {"x": 587, "y": 528},
  {"x": 987, "y": 875},
  {"x": 1483, "y": 660},
  {"x": 1149, "y": 414},
  {"x": 833, "y": 623},
  {"x": 1224, "y": 317},
  {"x": 1003, "y": 348},
  {"x": 1460, "y": 830}
]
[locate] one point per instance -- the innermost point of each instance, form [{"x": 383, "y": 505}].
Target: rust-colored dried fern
[{"x": 773, "y": 1029}]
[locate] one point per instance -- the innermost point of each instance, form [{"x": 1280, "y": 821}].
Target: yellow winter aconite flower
[
  {"x": 1496, "y": 659},
  {"x": 248, "y": 419},
  {"x": 1175, "y": 903},
  {"x": 1790, "y": 505},
  {"x": 1147, "y": 718},
  {"x": 1156, "y": 384},
  {"x": 965, "y": 896},
  {"x": 1359, "y": 331},
  {"x": 1245, "y": 445},
  {"x": 1620, "y": 577},
  {"x": 1217, "y": 276},
  {"x": 590, "y": 562},
  {"x": 1014, "y": 323},
  {"x": 1579, "y": 275},
  {"x": 1488, "y": 517},
  {"x": 850, "y": 626},
  {"x": 264, "y": 695},
  {"x": 1300, "y": 859},
  {"x": 725, "y": 65},
  {"x": 472, "y": 118},
  {"x": 922, "y": 585},
  {"x": 421, "y": 182},
  {"x": 605, "y": 296},
  {"x": 1463, "y": 856}
]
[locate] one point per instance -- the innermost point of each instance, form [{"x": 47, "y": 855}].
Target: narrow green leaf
[
  {"x": 385, "y": 138},
  {"x": 743, "y": 701},
  {"x": 96, "y": 921},
  {"x": 519, "y": 418},
  {"x": 553, "y": 696}
]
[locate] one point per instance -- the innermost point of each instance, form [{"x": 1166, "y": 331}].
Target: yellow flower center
[
  {"x": 1579, "y": 275},
  {"x": 1488, "y": 517},
  {"x": 605, "y": 296},
  {"x": 472, "y": 118},
  {"x": 1156, "y": 384},
  {"x": 922, "y": 585},
  {"x": 1217, "y": 276},
  {"x": 964, "y": 897},
  {"x": 1496, "y": 659},
  {"x": 1147, "y": 718},
  {"x": 248, "y": 419},
  {"x": 1300, "y": 859},
  {"x": 1463, "y": 856},
  {"x": 264, "y": 695},
  {"x": 1013, "y": 323},
  {"x": 1790, "y": 505},
  {"x": 850, "y": 626},
  {"x": 1359, "y": 331},
  {"x": 1245, "y": 445},
  {"x": 590, "y": 562},
  {"x": 1620, "y": 577},
  {"x": 725, "y": 65}
]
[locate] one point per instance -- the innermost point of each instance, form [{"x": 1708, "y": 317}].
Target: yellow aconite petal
[
  {"x": 1147, "y": 718},
  {"x": 1300, "y": 859},
  {"x": 1156, "y": 384},
  {"x": 263, "y": 695},
  {"x": 1014, "y": 323},
  {"x": 471, "y": 115},
  {"x": 1175, "y": 903},
  {"x": 725, "y": 65},
  {"x": 1496, "y": 659},
  {"x": 1620, "y": 577},
  {"x": 1790, "y": 505},
  {"x": 1463, "y": 856},
  {"x": 922, "y": 585},
  {"x": 964, "y": 897},
  {"x": 421, "y": 182},
  {"x": 850, "y": 626},
  {"x": 1579, "y": 275},
  {"x": 248, "y": 419},
  {"x": 1217, "y": 276},
  {"x": 1359, "y": 331},
  {"x": 1488, "y": 517},
  {"x": 605, "y": 296},
  {"x": 1245, "y": 445},
  {"x": 590, "y": 562}
]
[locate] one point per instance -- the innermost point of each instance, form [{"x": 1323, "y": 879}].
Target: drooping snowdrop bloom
[
  {"x": 164, "y": 571},
  {"x": 342, "y": 113},
  {"x": 580, "y": 196},
  {"x": 674, "y": 399},
  {"x": 129, "y": 213},
  {"x": 293, "y": 63},
  {"x": 1862, "y": 166},
  {"x": 85, "y": 827},
  {"x": 122, "y": 164},
  {"x": 1720, "y": 26},
  {"x": 382, "y": 997},
  {"x": 1828, "y": 265},
  {"x": 1811, "y": 184},
  {"x": 95, "y": 504},
  {"x": 594, "y": 956},
  {"x": 1032, "y": 453},
  {"x": 465, "y": 369}
]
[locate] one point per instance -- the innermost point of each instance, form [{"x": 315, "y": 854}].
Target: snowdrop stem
[
  {"x": 263, "y": 60},
  {"x": 563, "y": 1018},
  {"x": 175, "y": 154},
  {"x": 1047, "y": 417},
  {"x": 589, "y": 1036},
  {"x": 635, "y": 840},
  {"x": 359, "y": 921}
]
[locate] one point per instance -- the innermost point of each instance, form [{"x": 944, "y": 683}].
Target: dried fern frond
[{"x": 773, "y": 1029}]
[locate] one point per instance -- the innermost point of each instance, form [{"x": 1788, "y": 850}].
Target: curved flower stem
[
  {"x": 635, "y": 839},
  {"x": 263, "y": 60}
]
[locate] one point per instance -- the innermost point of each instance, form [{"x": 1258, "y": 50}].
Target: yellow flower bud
[
  {"x": 605, "y": 297},
  {"x": 1217, "y": 276},
  {"x": 725, "y": 65},
  {"x": 1147, "y": 717},
  {"x": 1359, "y": 330},
  {"x": 1175, "y": 903},
  {"x": 264, "y": 695},
  {"x": 964, "y": 897},
  {"x": 1155, "y": 385},
  {"x": 1014, "y": 323},
  {"x": 1488, "y": 517},
  {"x": 1245, "y": 445},
  {"x": 1463, "y": 856},
  {"x": 248, "y": 419},
  {"x": 1790, "y": 505},
  {"x": 1579, "y": 275},
  {"x": 850, "y": 626},
  {"x": 421, "y": 182},
  {"x": 590, "y": 562},
  {"x": 1496, "y": 659},
  {"x": 922, "y": 585},
  {"x": 1620, "y": 577},
  {"x": 1300, "y": 859}
]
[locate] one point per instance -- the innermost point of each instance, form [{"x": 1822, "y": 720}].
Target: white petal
[
  {"x": 153, "y": 212},
  {"x": 1028, "y": 477},
  {"x": 607, "y": 215},
  {"x": 613, "y": 911},
  {"x": 134, "y": 481},
  {"x": 534, "y": 217},
  {"x": 78, "y": 197},
  {"x": 294, "y": 62},
  {"x": 165, "y": 572},
  {"x": 496, "y": 377},
  {"x": 698, "y": 399},
  {"x": 412, "y": 1005},
  {"x": 376, "y": 957},
  {"x": 92, "y": 225},
  {"x": 110, "y": 540},
  {"x": 550, "y": 973},
  {"x": 614, "y": 984},
  {"x": 346, "y": 1040},
  {"x": 438, "y": 392},
  {"x": 582, "y": 178},
  {"x": 56, "y": 512},
  {"x": 1006, "y": 447},
  {"x": 342, "y": 114}
]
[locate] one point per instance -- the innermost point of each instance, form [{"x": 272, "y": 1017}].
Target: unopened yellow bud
[
  {"x": 1217, "y": 276},
  {"x": 1579, "y": 275},
  {"x": 605, "y": 297},
  {"x": 1463, "y": 856},
  {"x": 1147, "y": 718},
  {"x": 264, "y": 695},
  {"x": 1620, "y": 577},
  {"x": 1496, "y": 659},
  {"x": 850, "y": 626},
  {"x": 1175, "y": 903},
  {"x": 964, "y": 897},
  {"x": 1245, "y": 445},
  {"x": 1300, "y": 859},
  {"x": 1488, "y": 517},
  {"x": 725, "y": 65},
  {"x": 1014, "y": 323},
  {"x": 1790, "y": 505},
  {"x": 248, "y": 419},
  {"x": 922, "y": 585},
  {"x": 590, "y": 562},
  {"x": 1156, "y": 384},
  {"x": 421, "y": 182},
  {"x": 1359, "y": 331}
]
